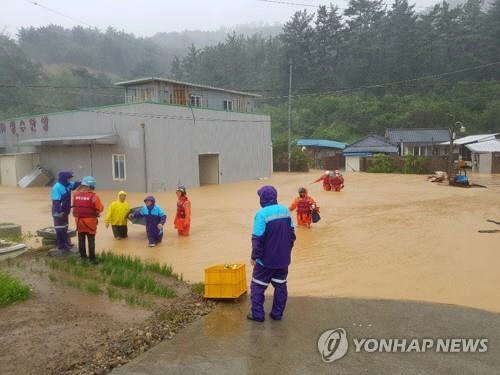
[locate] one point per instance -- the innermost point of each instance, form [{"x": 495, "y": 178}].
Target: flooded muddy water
[{"x": 383, "y": 236}]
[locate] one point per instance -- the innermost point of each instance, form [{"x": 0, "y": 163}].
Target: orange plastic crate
[{"x": 223, "y": 282}]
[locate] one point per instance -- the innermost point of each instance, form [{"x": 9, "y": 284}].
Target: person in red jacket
[
  {"x": 326, "y": 178},
  {"x": 86, "y": 208},
  {"x": 182, "y": 220},
  {"x": 337, "y": 181},
  {"x": 305, "y": 205}
]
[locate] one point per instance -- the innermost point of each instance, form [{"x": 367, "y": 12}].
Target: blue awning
[{"x": 321, "y": 143}]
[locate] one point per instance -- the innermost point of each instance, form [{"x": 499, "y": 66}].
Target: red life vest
[
  {"x": 303, "y": 206},
  {"x": 326, "y": 181},
  {"x": 181, "y": 211},
  {"x": 83, "y": 204},
  {"x": 337, "y": 181}
]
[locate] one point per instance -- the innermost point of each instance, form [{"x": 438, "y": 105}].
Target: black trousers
[
  {"x": 120, "y": 231},
  {"x": 82, "y": 245}
]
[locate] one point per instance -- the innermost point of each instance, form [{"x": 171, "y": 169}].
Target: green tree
[
  {"x": 15, "y": 69},
  {"x": 298, "y": 39},
  {"x": 328, "y": 43},
  {"x": 491, "y": 31},
  {"x": 365, "y": 40},
  {"x": 400, "y": 31}
]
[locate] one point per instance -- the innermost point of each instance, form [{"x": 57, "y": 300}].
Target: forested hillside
[{"x": 354, "y": 72}]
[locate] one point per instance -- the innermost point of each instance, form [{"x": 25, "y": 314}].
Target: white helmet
[{"x": 327, "y": 173}]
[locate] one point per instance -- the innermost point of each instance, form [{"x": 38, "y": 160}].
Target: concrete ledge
[{"x": 224, "y": 342}]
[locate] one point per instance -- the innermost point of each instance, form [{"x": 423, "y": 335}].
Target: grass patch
[
  {"x": 114, "y": 274},
  {"x": 131, "y": 299},
  {"x": 17, "y": 238},
  {"x": 12, "y": 290},
  {"x": 136, "y": 300},
  {"x": 160, "y": 269},
  {"x": 140, "y": 282},
  {"x": 93, "y": 287},
  {"x": 114, "y": 294},
  {"x": 122, "y": 279},
  {"x": 72, "y": 283},
  {"x": 113, "y": 261},
  {"x": 121, "y": 261}
]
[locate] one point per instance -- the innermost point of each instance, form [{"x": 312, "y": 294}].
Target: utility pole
[
  {"x": 290, "y": 117},
  {"x": 457, "y": 126}
]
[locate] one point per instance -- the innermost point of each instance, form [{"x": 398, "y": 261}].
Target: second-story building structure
[{"x": 169, "y": 91}]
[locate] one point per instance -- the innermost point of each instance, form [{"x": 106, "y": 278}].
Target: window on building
[
  {"x": 416, "y": 150},
  {"x": 165, "y": 96},
  {"x": 228, "y": 105},
  {"x": 119, "y": 167},
  {"x": 196, "y": 100}
]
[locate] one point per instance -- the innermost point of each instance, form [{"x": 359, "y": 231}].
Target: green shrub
[
  {"x": 300, "y": 160},
  {"x": 12, "y": 290},
  {"x": 414, "y": 164},
  {"x": 381, "y": 164}
]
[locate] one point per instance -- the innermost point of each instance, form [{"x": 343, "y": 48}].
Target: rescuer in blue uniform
[{"x": 61, "y": 207}]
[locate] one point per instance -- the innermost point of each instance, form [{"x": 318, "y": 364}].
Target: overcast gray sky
[{"x": 147, "y": 17}]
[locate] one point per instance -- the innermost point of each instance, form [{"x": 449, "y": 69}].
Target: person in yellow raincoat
[{"x": 117, "y": 216}]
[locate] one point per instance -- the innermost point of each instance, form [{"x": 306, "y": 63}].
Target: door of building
[{"x": 208, "y": 165}]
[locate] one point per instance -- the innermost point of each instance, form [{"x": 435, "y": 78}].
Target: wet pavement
[{"x": 224, "y": 342}]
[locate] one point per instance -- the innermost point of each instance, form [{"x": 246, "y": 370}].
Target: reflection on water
[{"x": 387, "y": 236}]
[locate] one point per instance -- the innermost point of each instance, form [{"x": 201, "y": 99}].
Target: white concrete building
[
  {"x": 365, "y": 147},
  {"x": 485, "y": 156},
  {"x": 149, "y": 146}
]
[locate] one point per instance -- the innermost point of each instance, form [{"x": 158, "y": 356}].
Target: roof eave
[{"x": 152, "y": 79}]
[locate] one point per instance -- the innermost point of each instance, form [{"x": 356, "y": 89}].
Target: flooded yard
[{"x": 383, "y": 236}]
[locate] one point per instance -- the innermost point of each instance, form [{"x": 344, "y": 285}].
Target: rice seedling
[{"x": 12, "y": 289}]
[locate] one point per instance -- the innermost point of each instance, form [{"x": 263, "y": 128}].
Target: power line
[
  {"x": 432, "y": 76},
  {"x": 59, "y": 13},
  {"x": 40, "y": 86},
  {"x": 289, "y": 3},
  {"x": 9, "y": 85}
]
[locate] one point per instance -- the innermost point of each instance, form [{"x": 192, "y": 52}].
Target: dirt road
[{"x": 383, "y": 236}]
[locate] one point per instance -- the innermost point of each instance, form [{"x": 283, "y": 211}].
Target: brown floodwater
[{"x": 383, "y": 236}]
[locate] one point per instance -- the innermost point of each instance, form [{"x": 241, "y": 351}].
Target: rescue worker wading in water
[
  {"x": 86, "y": 208},
  {"x": 305, "y": 205},
  {"x": 337, "y": 181},
  {"x": 326, "y": 178},
  {"x": 182, "y": 220}
]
